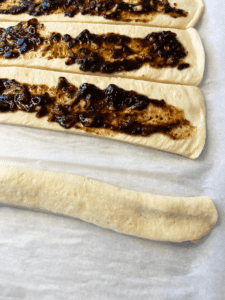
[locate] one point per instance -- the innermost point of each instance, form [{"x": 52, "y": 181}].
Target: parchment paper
[{"x": 45, "y": 256}]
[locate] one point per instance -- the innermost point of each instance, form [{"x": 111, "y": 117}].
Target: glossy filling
[
  {"x": 107, "y": 53},
  {"x": 117, "y": 10},
  {"x": 94, "y": 110}
]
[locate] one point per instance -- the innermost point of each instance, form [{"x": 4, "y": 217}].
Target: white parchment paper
[{"x": 45, "y": 256}]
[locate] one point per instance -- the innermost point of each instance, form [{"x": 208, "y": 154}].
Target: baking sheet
[{"x": 44, "y": 256}]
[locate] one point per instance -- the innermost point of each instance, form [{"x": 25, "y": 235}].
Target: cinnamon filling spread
[
  {"x": 95, "y": 110},
  {"x": 106, "y": 53},
  {"x": 117, "y": 10}
]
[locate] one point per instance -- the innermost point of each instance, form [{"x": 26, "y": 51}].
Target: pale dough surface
[
  {"x": 148, "y": 216},
  {"x": 188, "y": 38},
  {"x": 188, "y": 98},
  {"x": 195, "y": 9}
]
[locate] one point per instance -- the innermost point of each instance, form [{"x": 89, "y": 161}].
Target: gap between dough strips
[
  {"x": 154, "y": 115},
  {"x": 162, "y": 218}
]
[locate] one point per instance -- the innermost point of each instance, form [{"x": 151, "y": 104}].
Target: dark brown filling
[
  {"x": 107, "y": 53},
  {"x": 109, "y": 9},
  {"x": 92, "y": 109}
]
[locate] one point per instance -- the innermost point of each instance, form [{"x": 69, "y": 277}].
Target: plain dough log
[
  {"x": 195, "y": 9},
  {"x": 188, "y": 38},
  {"x": 152, "y": 217},
  {"x": 187, "y": 98}
]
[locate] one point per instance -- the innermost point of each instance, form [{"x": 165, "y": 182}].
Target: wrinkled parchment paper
[{"x": 45, "y": 256}]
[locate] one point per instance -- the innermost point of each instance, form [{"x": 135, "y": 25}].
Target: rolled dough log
[{"x": 148, "y": 216}]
